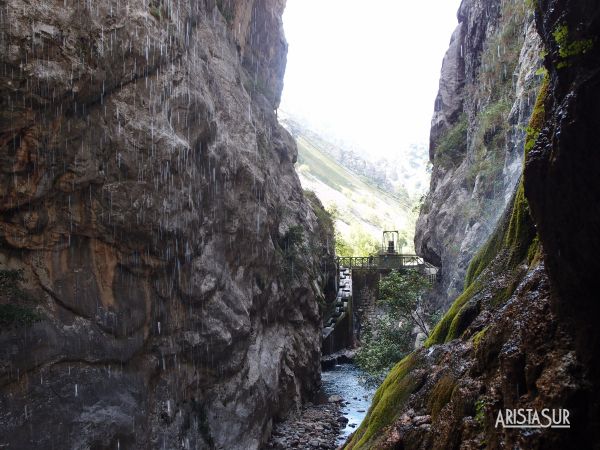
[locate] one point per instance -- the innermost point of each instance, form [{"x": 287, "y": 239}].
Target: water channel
[{"x": 350, "y": 383}]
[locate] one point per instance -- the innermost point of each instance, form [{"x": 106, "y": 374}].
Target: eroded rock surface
[
  {"x": 148, "y": 195},
  {"x": 488, "y": 85},
  {"x": 523, "y": 334}
]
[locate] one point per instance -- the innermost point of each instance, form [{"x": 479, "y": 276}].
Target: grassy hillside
[{"x": 361, "y": 210}]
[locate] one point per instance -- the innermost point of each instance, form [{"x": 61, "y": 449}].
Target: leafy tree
[
  {"x": 384, "y": 342},
  {"x": 342, "y": 247},
  {"x": 386, "y": 339},
  {"x": 362, "y": 242},
  {"x": 402, "y": 293}
]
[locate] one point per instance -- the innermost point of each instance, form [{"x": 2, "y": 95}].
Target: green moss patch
[
  {"x": 477, "y": 337},
  {"x": 569, "y": 48},
  {"x": 441, "y": 394},
  {"x": 452, "y": 146},
  {"x": 15, "y": 315},
  {"x": 440, "y": 332},
  {"x": 515, "y": 236},
  {"x": 537, "y": 116}
]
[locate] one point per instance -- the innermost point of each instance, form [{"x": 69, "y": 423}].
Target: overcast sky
[{"x": 367, "y": 72}]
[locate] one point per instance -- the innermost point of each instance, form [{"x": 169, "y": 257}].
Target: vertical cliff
[
  {"x": 160, "y": 268},
  {"x": 522, "y": 334},
  {"x": 487, "y": 90}
]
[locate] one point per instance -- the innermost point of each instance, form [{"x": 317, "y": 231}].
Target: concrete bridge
[{"x": 343, "y": 319}]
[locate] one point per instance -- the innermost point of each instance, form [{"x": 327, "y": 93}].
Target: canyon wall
[
  {"x": 161, "y": 271},
  {"x": 523, "y": 333},
  {"x": 488, "y": 85}
]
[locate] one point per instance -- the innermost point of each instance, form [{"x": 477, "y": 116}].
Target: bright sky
[{"x": 367, "y": 72}]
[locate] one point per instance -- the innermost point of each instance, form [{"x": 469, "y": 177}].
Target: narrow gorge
[{"x": 165, "y": 281}]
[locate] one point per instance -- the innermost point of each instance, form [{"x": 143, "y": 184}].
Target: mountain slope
[{"x": 361, "y": 209}]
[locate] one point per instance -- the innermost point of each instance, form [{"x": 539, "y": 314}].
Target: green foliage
[
  {"x": 402, "y": 292},
  {"x": 452, "y": 146},
  {"x": 480, "y": 412},
  {"x": 390, "y": 338},
  {"x": 440, "y": 332},
  {"x": 383, "y": 343},
  {"x": 477, "y": 337},
  {"x": 568, "y": 48},
  {"x": 534, "y": 253},
  {"x": 489, "y": 144},
  {"x": 342, "y": 247},
  {"x": 501, "y": 53},
  {"x": 292, "y": 238},
  {"x": 521, "y": 229},
  {"x": 290, "y": 246},
  {"x": 359, "y": 243},
  {"x": 440, "y": 395},
  {"x": 324, "y": 217},
  {"x": 10, "y": 290},
  {"x": 514, "y": 235},
  {"x": 387, "y": 402},
  {"x": 157, "y": 9},
  {"x": 14, "y": 315},
  {"x": 531, "y": 5},
  {"x": 537, "y": 116}
]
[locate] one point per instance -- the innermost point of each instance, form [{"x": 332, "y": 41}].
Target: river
[{"x": 348, "y": 381}]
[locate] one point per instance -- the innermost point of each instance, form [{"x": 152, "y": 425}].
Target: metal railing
[{"x": 387, "y": 262}]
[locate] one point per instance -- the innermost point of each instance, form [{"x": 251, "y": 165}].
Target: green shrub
[
  {"x": 383, "y": 344},
  {"x": 452, "y": 146},
  {"x": 15, "y": 315},
  {"x": 480, "y": 412}
]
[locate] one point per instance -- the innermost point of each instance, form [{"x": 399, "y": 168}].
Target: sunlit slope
[{"x": 355, "y": 201}]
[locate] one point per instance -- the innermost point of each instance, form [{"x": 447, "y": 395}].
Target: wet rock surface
[
  {"x": 524, "y": 333},
  {"x": 316, "y": 427},
  {"x": 475, "y": 174},
  {"x": 344, "y": 399},
  {"x": 148, "y": 196}
]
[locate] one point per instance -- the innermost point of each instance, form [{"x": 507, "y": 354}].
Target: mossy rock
[
  {"x": 477, "y": 337},
  {"x": 513, "y": 240},
  {"x": 440, "y": 331},
  {"x": 463, "y": 319},
  {"x": 441, "y": 394}
]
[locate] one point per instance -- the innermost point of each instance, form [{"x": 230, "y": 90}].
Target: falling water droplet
[{"x": 76, "y": 391}]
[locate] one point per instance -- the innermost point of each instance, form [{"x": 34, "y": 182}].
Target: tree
[
  {"x": 387, "y": 338},
  {"x": 384, "y": 342},
  {"x": 402, "y": 292}
]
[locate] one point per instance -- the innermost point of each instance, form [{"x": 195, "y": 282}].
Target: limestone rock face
[
  {"x": 148, "y": 195},
  {"x": 523, "y": 335},
  {"x": 488, "y": 84}
]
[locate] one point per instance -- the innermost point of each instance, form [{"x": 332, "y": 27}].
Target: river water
[{"x": 349, "y": 382}]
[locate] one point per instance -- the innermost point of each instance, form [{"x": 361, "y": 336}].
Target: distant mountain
[
  {"x": 365, "y": 197},
  {"x": 404, "y": 172}
]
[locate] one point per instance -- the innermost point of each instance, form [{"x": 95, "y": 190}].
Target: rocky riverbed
[
  {"x": 316, "y": 427},
  {"x": 326, "y": 424}
]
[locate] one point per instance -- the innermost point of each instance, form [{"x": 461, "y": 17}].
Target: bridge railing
[{"x": 387, "y": 262}]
